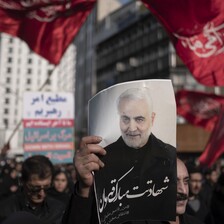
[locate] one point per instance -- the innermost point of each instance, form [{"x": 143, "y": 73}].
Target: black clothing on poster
[
  {"x": 83, "y": 211},
  {"x": 49, "y": 212},
  {"x": 144, "y": 176}
]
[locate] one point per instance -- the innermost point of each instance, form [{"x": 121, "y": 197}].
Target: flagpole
[{"x": 7, "y": 144}]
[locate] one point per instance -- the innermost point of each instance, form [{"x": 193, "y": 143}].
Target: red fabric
[
  {"x": 215, "y": 145},
  {"x": 198, "y": 108},
  {"x": 196, "y": 29},
  {"x": 47, "y": 26}
]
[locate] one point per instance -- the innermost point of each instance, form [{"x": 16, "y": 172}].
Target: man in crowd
[
  {"x": 36, "y": 180},
  {"x": 217, "y": 205},
  {"x": 196, "y": 205},
  {"x": 82, "y": 208},
  {"x": 211, "y": 178}
]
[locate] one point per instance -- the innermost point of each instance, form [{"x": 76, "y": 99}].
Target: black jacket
[
  {"x": 83, "y": 211},
  {"x": 61, "y": 196},
  {"x": 50, "y": 212},
  {"x": 203, "y": 213},
  {"x": 156, "y": 160},
  {"x": 142, "y": 173}
]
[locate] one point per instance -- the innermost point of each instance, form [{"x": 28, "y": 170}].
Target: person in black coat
[
  {"x": 22, "y": 217},
  {"x": 137, "y": 162},
  {"x": 82, "y": 206},
  {"x": 36, "y": 180},
  {"x": 196, "y": 205},
  {"x": 9, "y": 185},
  {"x": 217, "y": 201},
  {"x": 60, "y": 189}
]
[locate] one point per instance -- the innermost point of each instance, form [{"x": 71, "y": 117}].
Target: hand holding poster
[{"x": 137, "y": 121}]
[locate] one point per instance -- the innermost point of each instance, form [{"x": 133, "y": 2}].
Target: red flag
[
  {"x": 48, "y": 26},
  {"x": 196, "y": 28},
  {"x": 215, "y": 145},
  {"x": 198, "y": 108}
]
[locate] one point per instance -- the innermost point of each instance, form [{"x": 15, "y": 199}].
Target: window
[
  {"x": 7, "y": 101},
  {"x": 10, "y": 50},
  {"x": 7, "y": 90},
  {"x": 48, "y": 82},
  {"x": 9, "y": 60},
  {"x": 49, "y": 72},
  {"x": 8, "y": 80},
  {"x": 6, "y": 122},
  {"x": 30, "y": 61},
  {"x": 28, "y": 81},
  {"x": 6, "y": 111},
  {"x": 9, "y": 70},
  {"x": 29, "y": 71},
  {"x": 11, "y": 40}
]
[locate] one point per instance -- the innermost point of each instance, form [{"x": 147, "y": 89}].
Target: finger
[
  {"x": 92, "y": 166},
  {"x": 97, "y": 149},
  {"x": 90, "y": 149},
  {"x": 92, "y": 158},
  {"x": 87, "y": 162},
  {"x": 90, "y": 146},
  {"x": 85, "y": 170},
  {"x": 90, "y": 140}
]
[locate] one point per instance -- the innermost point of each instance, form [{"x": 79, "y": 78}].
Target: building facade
[
  {"x": 22, "y": 70},
  {"x": 86, "y": 61}
]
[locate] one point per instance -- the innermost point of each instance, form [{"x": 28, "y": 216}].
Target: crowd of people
[
  {"x": 53, "y": 187},
  {"x": 206, "y": 193},
  {"x": 35, "y": 187},
  {"x": 38, "y": 192}
]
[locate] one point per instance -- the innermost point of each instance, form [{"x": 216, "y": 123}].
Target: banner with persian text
[
  {"x": 48, "y": 121},
  {"x": 196, "y": 29}
]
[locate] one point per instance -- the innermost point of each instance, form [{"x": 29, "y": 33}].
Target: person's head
[
  {"x": 219, "y": 188},
  {"x": 73, "y": 175},
  {"x": 211, "y": 175},
  {"x": 13, "y": 173},
  {"x": 37, "y": 172},
  {"x": 195, "y": 182},
  {"x": 60, "y": 181},
  {"x": 182, "y": 187},
  {"x": 136, "y": 116}
]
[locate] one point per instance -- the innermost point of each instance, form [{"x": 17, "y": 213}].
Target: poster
[
  {"x": 137, "y": 121},
  {"x": 48, "y": 121}
]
